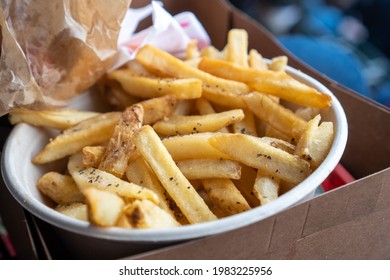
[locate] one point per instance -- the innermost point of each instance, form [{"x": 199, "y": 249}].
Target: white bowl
[{"x": 87, "y": 241}]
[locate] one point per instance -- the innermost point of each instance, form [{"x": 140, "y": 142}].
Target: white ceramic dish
[{"x": 20, "y": 176}]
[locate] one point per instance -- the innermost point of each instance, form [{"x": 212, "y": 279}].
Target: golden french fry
[
  {"x": 193, "y": 62},
  {"x": 137, "y": 69},
  {"x": 104, "y": 207},
  {"x": 144, "y": 214},
  {"x": 92, "y": 155},
  {"x": 196, "y": 124},
  {"x": 170, "y": 176},
  {"x": 158, "y": 108},
  {"x": 247, "y": 125},
  {"x": 89, "y": 132},
  {"x": 278, "y": 63},
  {"x": 266, "y": 188},
  {"x": 237, "y": 47},
  {"x": 210, "y": 203},
  {"x": 163, "y": 63},
  {"x": 204, "y": 107},
  {"x": 60, "y": 188},
  {"x": 280, "y": 144},
  {"x": 86, "y": 177},
  {"x": 58, "y": 119},
  {"x": 274, "y": 83},
  {"x": 272, "y": 132},
  {"x": 256, "y": 60},
  {"x": 76, "y": 210},
  {"x": 182, "y": 147},
  {"x": 120, "y": 147},
  {"x": 139, "y": 172},
  {"x": 275, "y": 114},
  {"x": 225, "y": 98},
  {"x": 149, "y": 87},
  {"x": 225, "y": 195},
  {"x": 315, "y": 142},
  {"x": 255, "y": 153},
  {"x": 210, "y": 51},
  {"x": 192, "y": 50},
  {"x": 123, "y": 221},
  {"x": 209, "y": 168},
  {"x": 237, "y": 52},
  {"x": 307, "y": 113}
]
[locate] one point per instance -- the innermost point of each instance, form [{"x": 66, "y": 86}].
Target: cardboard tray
[{"x": 351, "y": 222}]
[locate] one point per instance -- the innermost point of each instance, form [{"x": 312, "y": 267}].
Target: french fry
[
  {"x": 149, "y": 87},
  {"x": 278, "y": 63},
  {"x": 210, "y": 203},
  {"x": 315, "y": 142},
  {"x": 170, "y": 176},
  {"x": 104, "y": 207},
  {"x": 209, "y": 168},
  {"x": 225, "y": 195},
  {"x": 60, "y": 188},
  {"x": 204, "y": 107},
  {"x": 192, "y": 50},
  {"x": 237, "y": 47},
  {"x": 139, "y": 172},
  {"x": 210, "y": 51},
  {"x": 256, "y": 61},
  {"x": 76, "y": 210},
  {"x": 163, "y": 63},
  {"x": 120, "y": 147},
  {"x": 86, "y": 177},
  {"x": 158, "y": 108},
  {"x": 89, "y": 132},
  {"x": 237, "y": 52},
  {"x": 258, "y": 154},
  {"x": 275, "y": 114},
  {"x": 307, "y": 113},
  {"x": 226, "y": 99},
  {"x": 274, "y": 83},
  {"x": 247, "y": 125},
  {"x": 280, "y": 144},
  {"x": 144, "y": 214},
  {"x": 272, "y": 132},
  {"x": 92, "y": 155},
  {"x": 58, "y": 119},
  {"x": 137, "y": 69},
  {"x": 193, "y": 62},
  {"x": 182, "y": 147},
  {"x": 195, "y": 124},
  {"x": 266, "y": 188}
]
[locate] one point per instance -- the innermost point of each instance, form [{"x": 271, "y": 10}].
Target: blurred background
[{"x": 345, "y": 39}]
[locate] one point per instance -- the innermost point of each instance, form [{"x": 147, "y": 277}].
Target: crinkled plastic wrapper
[{"x": 54, "y": 50}]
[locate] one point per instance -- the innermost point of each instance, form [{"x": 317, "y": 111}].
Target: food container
[{"x": 86, "y": 241}]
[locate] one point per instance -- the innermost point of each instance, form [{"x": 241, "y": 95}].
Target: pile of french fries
[{"x": 189, "y": 140}]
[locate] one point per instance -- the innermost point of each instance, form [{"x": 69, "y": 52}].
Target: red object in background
[{"x": 339, "y": 177}]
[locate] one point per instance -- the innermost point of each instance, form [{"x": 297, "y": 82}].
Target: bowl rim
[{"x": 186, "y": 232}]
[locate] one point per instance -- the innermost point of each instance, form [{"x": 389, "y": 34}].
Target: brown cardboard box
[{"x": 351, "y": 222}]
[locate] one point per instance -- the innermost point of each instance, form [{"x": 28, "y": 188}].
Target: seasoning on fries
[{"x": 188, "y": 140}]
